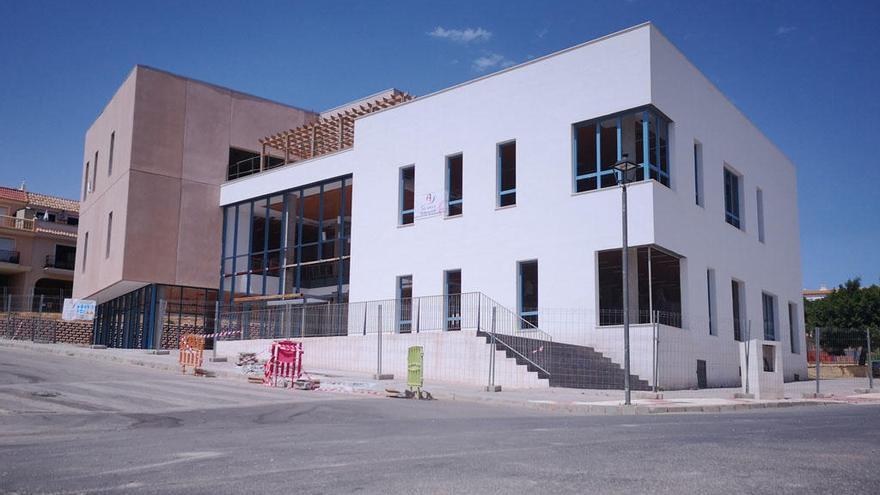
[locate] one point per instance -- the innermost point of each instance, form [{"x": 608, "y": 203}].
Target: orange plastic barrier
[{"x": 192, "y": 347}]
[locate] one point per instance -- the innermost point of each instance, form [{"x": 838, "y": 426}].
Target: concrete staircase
[
  {"x": 572, "y": 366},
  {"x": 576, "y": 366}
]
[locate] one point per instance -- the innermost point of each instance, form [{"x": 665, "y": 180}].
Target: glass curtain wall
[
  {"x": 292, "y": 242},
  {"x": 131, "y": 320},
  {"x": 641, "y": 134}
]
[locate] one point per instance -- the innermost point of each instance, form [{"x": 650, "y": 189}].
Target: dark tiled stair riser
[{"x": 571, "y": 365}]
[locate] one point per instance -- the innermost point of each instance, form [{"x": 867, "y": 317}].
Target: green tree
[{"x": 846, "y": 313}]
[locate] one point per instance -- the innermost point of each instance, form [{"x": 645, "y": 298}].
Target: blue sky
[{"x": 805, "y": 72}]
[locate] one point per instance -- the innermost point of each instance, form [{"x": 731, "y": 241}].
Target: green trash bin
[{"x": 414, "y": 365}]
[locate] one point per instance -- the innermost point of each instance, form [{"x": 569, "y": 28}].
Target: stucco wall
[{"x": 536, "y": 104}]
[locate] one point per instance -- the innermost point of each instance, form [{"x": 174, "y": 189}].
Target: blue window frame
[
  {"x": 527, "y": 299},
  {"x": 599, "y": 143},
  {"x": 732, "y": 198},
  {"x": 452, "y": 299},
  {"x": 454, "y": 185},
  {"x": 506, "y": 171},
  {"x": 769, "y": 303},
  {"x": 293, "y": 241},
  {"x": 407, "y": 196}
]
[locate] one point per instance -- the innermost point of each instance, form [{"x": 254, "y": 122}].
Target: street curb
[{"x": 581, "y": 408}]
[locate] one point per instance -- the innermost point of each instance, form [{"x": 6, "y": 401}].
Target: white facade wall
[{"x": 536, "y": 104}]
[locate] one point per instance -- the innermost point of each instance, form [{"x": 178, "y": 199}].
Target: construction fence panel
[
  {"x": 37, "y": 318},
  {"x": 842, "y": 359}
]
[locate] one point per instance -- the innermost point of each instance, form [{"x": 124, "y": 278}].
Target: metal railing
[
  {"x": 59, "y": 263},
  {"x": 472, "y": 311},
  {"x": 17, "y": 223},
  {"x": 613, "y": 317},
  {"x": 250, "y": 166},
  {"x": 9, "y": 256}
]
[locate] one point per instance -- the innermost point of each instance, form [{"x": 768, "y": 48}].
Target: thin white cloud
[
  {"x": 784, "y": 30},
  {"x": 543, "y": 32},
  {"x": 491, "y": 61},
  {"x": 461, "y": 35}
]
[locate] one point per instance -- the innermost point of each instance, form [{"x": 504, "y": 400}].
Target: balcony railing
[
  {"x": 8, "y": 222},
  {"x": 9, "y": 256},
  {"x": 59, "y": 263}
]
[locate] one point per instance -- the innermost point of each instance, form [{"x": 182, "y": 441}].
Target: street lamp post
[{"x": 627, "y": 172}]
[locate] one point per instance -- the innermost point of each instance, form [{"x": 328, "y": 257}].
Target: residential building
[
  {"x": 816, "y": 294},
  {"x": 37, "y": 245}
]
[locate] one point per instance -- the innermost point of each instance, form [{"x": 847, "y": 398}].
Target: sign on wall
[
  {"x": 429, "y": 205},
  {"x": 78, "y": 309}
]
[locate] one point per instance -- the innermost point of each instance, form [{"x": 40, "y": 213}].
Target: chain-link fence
[
  {"x": 37, "y": 318},
  {"x": 362, "y": 336},
  {"x": 842, "y": 359},
  {"x": 578, "y": 347}
]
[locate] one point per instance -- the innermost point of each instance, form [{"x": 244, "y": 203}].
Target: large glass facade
[
  {"x": 640, "y": 134},
  {"x": 154, "y": 316},
  {"x": 292, "y": 242}
]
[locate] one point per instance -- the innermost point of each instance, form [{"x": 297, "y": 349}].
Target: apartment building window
[
  {"x": 454, "y": 185},
  {"x": 86, "y": 181},
  {"x": 599, "y": 143},
  {"x": 793, "y": 328},
  {"x": 95, "y": 172},
  {"x": 85, "y": 251},
  {"x": 110, "y": 155},
  {"x": 769, "y": 304},
  {"x": 710, "y": 296},
  {"x": 759, "y": 198},
  {"x": 452, "y": 298},
  {"x": 407, "y": 195},
  {"x": 506, "y": 174},
  {"x": 736, "y": 294},
  {"x": 109, "y": 234},
  {"x": 698, "y": 173},
  {"x": 528, "y": 292},
  {"x": 404, "y": 303}
]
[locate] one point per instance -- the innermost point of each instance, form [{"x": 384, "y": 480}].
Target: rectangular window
[
  {"x": 506, "y": 174},
  {"x": 110, "y": 156},
  {"x": 710, "y": 295},
  {"x": 407, "y": 195},
  {"x": 793, "y": 328},
  {"x": 404, "y": 304},
  {"x": 698, "y": 173},
  {"x": 528, "y": 293},
  {"x": 454, "y": 186},
  {"x": 736, "y": 297},
  {"x": 759, "y": 195},
  {"x": 732, "y": 198},
  {"x": 452, "y": 298},
  {"x": 109, "y": 234},
  {"x": 95, "y": 172},
  {"x": 86, "y": 182},
  {"x": 599, "y": 143},
  {"x": 85, "y": 251},
  {"x": 769, "y": 303}
]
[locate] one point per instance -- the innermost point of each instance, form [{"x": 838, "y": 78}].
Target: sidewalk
[{"x": 577, "y": 401}]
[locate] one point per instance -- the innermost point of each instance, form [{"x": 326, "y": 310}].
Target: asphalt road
[{"x": 76, "y": 426}]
